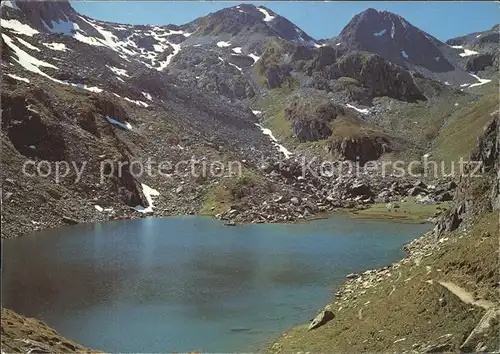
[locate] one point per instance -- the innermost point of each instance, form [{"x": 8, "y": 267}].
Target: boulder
[
  {"x": 360, "y": 189},
  {"x": 420, "y": 184},
  {"x": 444, "y": 197},
  {"x": 295, "y": 201},
  {"x": 322, "y": 318},
  {"x": 414, "y": 191},
  {"x": 70, "y": 221}
]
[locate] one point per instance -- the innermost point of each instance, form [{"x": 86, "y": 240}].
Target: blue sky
[{"x": 443, "y": 20}]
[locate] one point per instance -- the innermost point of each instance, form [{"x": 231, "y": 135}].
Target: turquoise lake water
[{"x": 189, "y": 283}]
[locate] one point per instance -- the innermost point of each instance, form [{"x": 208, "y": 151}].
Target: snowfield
[
  {"x": 468, "y": 53},
  {"x": 280, "y": 147},
  {"x": 27, "y": 61},
  {"x": 149, "y": 193}
]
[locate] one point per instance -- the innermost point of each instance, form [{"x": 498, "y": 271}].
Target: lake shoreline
[{"x": 353, "y": 213}]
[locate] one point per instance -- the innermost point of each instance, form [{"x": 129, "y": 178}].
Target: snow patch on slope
[
  {"x": 118, "y": 71},
  {"x": 27, "y": 44},
  {"x": 147, "y": 95},
  {"x": 56, "y": 46},
  {"x": 149, "y": 193},
  {"x": 267, "y": 16},
  {"x": 18, "y": 27},
  {"x": 468, "y": 52},
  {"x": 223, "y": 44},
  {"x": 360, "y": 110},
  {"x": 481, "y": 81},
  {"x": 280, "y": 147},
  {"x": 136, "y": 102},
  {"x": 79, "y": 86},
  {"x": 27, "y": 61},
  {"x": 60, "y": 26},
  {"x": 237, "y": 67},
  {"x": 164, "y": 64},
  {"x": 380, "y": 33},
  {"x": 254, "y": 57},
  {"x": 19, "y": 78}
]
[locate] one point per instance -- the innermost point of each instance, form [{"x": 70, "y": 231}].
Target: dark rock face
[
  {"x": 310, "y": 119},
  {"x": 277, "y": 75},
  {"x": 242, "y": 61},
  {"x": 145, "y": 42},
  {"x": 480, "y": 62},
  {"x": 360, "y": 189},
  {"x": 27, "y": 129}
]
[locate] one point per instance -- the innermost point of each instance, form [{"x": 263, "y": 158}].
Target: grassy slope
[
  {"x": 409, "y": 211},
  {"x": 407, "y": 306},
  {"x": 221, "y": 196},
  {"x": 22, "y": 335},
  {"x": 459, "y": 137}
]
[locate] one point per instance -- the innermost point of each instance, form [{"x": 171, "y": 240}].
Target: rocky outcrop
[
  {"x": 481, "y": 61},
  {"x": 361, "y": 149},
  {"x": 475, "y": 194},
  {"x": 212, "y": 73},
  {"x": 322, "y": 318},
  {"x": 380, "y": 76},
  {"x": 310, "y": 118},
  {"x": 488, "y": 147}
]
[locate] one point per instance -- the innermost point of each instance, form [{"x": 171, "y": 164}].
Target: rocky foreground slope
[
  {"x": 244, "y": 87},
  {"x": 28, "y": 335}
]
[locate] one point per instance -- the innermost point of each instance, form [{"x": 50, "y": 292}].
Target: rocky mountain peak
[
  {"x": 248, "y": 20},
  {"x": 49, "y": 17},
  {"x": 43, "y": 15},
  {"x": 398, "y": 41}
]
